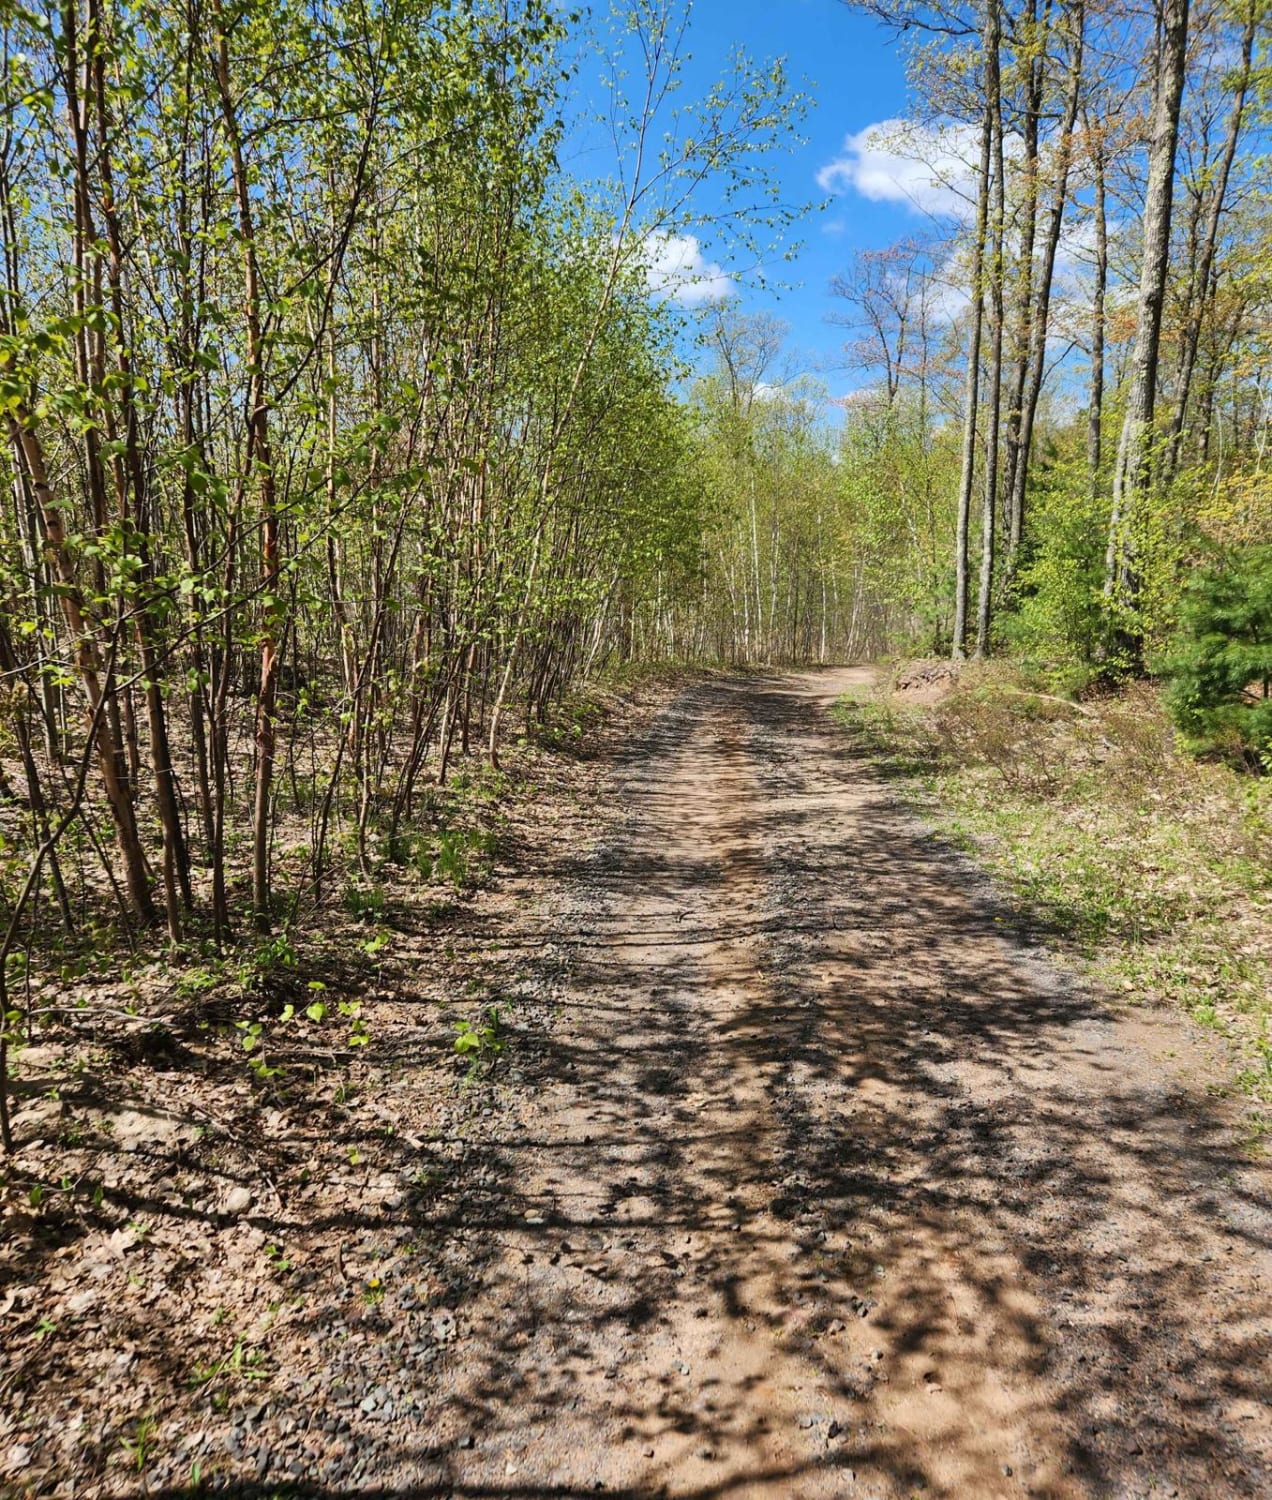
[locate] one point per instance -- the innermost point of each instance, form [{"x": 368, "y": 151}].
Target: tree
[
  {"x": 1220, "y": 675},
  {"x": 1133, "y": 473}
]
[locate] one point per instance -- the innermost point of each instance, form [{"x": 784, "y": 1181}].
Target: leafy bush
[
  {"x": 1055, "y": 625},
  {"x": 1220, "y": 694}
]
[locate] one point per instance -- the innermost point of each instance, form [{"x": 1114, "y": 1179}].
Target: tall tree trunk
[
  {"x": 130, "y": 488},
  {"x": 1201, "y": 287},
  {"x": 1133, "y": 475},
  {"x": 989, "y": 507},
  {"x": 259, "y": 461},
  {"x": 89, "y": 663},
  {"x": 1031, "y": 188},
  {"x": 1095, "y": 397},
  {"x": 1018, "y": 474},
  {"x": 967, "y": 477}
]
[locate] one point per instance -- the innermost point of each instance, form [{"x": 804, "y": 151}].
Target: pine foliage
[{"x": 1221, "y": 674}]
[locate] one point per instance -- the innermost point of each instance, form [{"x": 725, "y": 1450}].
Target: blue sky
[{"x": 853, "y": 68}]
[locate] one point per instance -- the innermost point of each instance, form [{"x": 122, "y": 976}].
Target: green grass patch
[{"x": 1154, "y": 867}]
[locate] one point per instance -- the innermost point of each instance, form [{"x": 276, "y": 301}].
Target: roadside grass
[{"x": 1154, "y": 868}]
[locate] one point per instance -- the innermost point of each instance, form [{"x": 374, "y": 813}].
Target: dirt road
[{"x": 821, "y": 1182}]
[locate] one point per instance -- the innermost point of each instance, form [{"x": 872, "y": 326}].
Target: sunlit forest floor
[
  {"x": 695, "y": 1121},
  {"x": 1152, "y": 868}
]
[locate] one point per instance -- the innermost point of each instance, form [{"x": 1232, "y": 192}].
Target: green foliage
[
  {"x": 481, "y": 1041},
  {"x": 364, "y": 901},
  {"x": 139, "y": 1444},
  {"x": 1056, "y": 626},
  {"x": 270, "y": 964},
  {"x": 241, "y": 1365},
  {"x": 898, "y": 479},
  {"x": 1220, "y": 674},
  {"x": 457, "y": 857},
  {"x": 1156, "y": 868}
]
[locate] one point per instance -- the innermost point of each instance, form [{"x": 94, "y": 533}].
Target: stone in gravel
[
  {"x": 237, "y": 1201},
  {"x": 135, "y": 1129}
]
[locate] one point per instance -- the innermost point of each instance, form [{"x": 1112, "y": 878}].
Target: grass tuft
[{"x": 1155, "y": 867}]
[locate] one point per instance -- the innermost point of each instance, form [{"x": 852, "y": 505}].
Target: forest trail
[{"x": 824, "y": 1183}]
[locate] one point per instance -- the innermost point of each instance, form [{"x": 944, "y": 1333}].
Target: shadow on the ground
[{"x": 936, "y": 1108}]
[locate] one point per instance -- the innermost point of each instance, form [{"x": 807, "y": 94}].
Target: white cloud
[
  {"x": 676, "y": 268},
  {"x": 930, "y": 169}
]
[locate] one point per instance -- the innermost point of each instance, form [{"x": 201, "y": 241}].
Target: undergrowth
[{"x": 1155, "y": 867}]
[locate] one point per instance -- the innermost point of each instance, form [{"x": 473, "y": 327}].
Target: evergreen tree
[{"x": 1221, "y": 675}]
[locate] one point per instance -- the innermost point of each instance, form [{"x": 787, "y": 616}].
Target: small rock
[
  {"x": 466, "y": 1441},
  {"x": 238, "y": 1200},
  {"x": 39, "y": 1117},
  {"x": 134, "y": 1129}
]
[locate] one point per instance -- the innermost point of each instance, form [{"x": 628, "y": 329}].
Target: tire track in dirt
[{"x": 828, "y": 1184}]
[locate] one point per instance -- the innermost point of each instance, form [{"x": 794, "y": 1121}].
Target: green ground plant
[
  {"x": 1154, "y": 869},
  {"x": 482, "y": 1042}
]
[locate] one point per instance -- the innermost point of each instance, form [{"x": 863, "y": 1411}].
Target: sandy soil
[{"x": 804, "y": 1175}]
